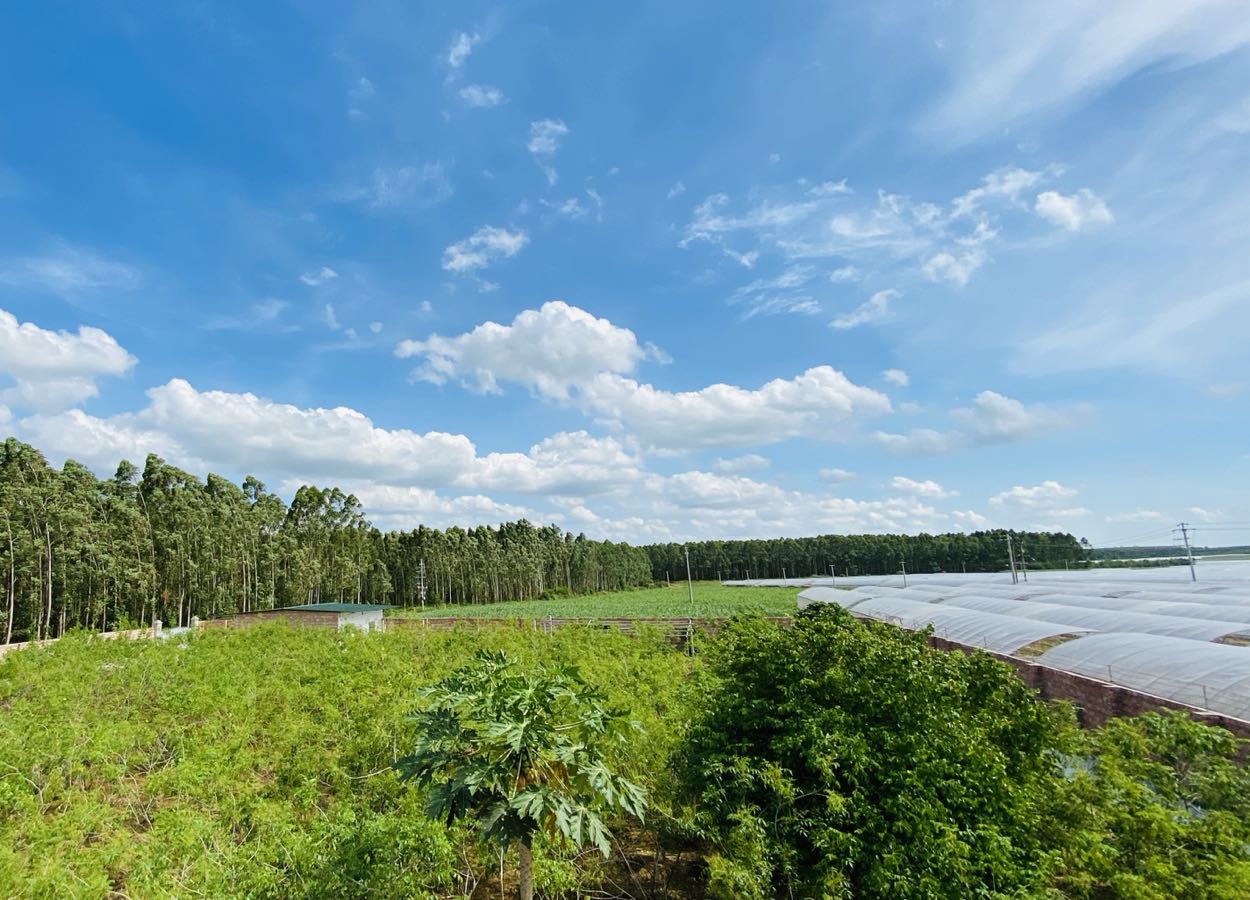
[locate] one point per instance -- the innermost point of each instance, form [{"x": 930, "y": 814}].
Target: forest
[
  {"x": 834, "y": 758},
  {"x": 77, "y": 551},
  {"x": 867, "y": 554}
]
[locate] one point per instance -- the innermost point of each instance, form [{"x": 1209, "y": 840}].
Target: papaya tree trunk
[{"x": 525, "y": 878}]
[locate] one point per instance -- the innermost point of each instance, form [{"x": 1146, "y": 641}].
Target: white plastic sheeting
[
  {"x": 1108, "y": 620},
  {"x": 1209, "y": 676},
  {"x": 1002, "y": 634}
]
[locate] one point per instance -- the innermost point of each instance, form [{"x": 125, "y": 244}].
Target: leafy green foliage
[
  {"x": 1152, "y": 807},
  {"x": 521, "y": 752},
  {"x": 258, "y": 762},
  {"x": 839, "y": 759}
]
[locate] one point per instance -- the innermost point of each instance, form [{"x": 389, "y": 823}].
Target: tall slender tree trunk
[
  {"x": 525, "y": 877},
  {"x": 8, "y": 636}
]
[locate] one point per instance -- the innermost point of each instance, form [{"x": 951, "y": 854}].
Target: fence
[{"x": 131, "y": 634}]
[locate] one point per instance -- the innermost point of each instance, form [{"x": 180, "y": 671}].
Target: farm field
[
  {"x": 711, "y": 600},
  {"x": 259, "y": 763}
]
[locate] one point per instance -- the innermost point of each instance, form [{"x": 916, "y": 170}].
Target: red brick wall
[{"x": 1096, "y": 701}]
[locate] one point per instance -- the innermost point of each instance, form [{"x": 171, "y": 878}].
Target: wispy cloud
[
  {"x": 460, "y": 48},
  {"x": 546, "y": 136},
  {"x": 873, "y": 311},
  {"x": 320, "y": 276},
  {"x": 391, "y": 188},
  {"x": 485, "y": 246},
  {"x": 68, "y": 270},
  {"x": 481, "y": 96}
]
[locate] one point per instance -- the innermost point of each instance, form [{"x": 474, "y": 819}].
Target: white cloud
[
  {"x": 322, "y": 275},
  {"x": 1073, "y": 212},
  {"x": 917, "y": 442},
  {"x": 571, "y": 208},
  {"x": 357, "y": 96},
  {"x": 821, "y": 403},
  {"x": 835, "y": 475},
  {"x": 461, "y": 46},
  {"x": 247, "y": 433},
  {"x": 929, "y": 489},
  {"x": 1016, "y": 60},
  {"x": 486, "y": 245},
  {"x": 481, "y": 96},
  {"x": 746, "y": 260},
  {"x": 1044, "y": 496},
  {"x": 785, "y": 293},
  {"x": 375, "y": 327},
  {"x": 548, "y": 350},
  {"x": 955, "y": 269},
  {"x": 896, "y": 377},
  {"x": 570, "y": 463},
  {"x": 991, "y": 419},
  {"x": 676, "y": 190},
  {"x": 328, "y": 316},
  {"x": 1002, "y": 184},
  {"x": 67, "y": 271},
  {"x": 55, "y": 369},
  {"x": 545, "y": 138},
  {"x": 746, "y": 463},
  {"x": 873, "y": 311},
  {"x": 844, "y": 274}
]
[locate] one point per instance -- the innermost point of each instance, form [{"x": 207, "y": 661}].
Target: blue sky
[{"x": 649, "y": 271}]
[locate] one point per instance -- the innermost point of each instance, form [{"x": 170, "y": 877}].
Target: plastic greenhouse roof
[
  {"x": 989, "y": 631},
  {"x": 1209, "y": 676},
  {"x": 1109, "y": 620}
]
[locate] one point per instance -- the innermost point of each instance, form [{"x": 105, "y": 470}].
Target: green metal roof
[{"x": 339, "y": 607}]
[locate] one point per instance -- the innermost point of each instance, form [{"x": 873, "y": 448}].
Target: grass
[{"x": 711, "y": 600}]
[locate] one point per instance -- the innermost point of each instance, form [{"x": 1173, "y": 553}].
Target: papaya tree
[{"x": 521, "y": 753}]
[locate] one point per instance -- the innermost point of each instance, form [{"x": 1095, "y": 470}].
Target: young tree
[{"x": 520, "y": 752}]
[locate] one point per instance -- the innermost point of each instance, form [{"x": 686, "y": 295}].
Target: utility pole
[
  {"x": 833, "y": 574},
  {"x": 1011, "y": 555},
  {"x": 1024, "y": 563},
  {"x": 903, "y": 563},
  {"x": 1184, "y": 530},
  {"x": 783, "y": 574},
  {"x": 421, "y": 583},
  {"x": 689, "y": 582}
]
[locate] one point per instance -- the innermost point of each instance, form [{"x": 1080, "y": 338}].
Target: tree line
[
  {"x": 160, "y": 543},
  {"x": 80, "y": 551},
  {"x": 866, "y": 554}
]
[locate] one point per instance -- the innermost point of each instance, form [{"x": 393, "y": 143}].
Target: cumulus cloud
[
  {"x": 55, "y": 369},
  {"x": 1073, "y": 212},
  {"x": 569, "y": 463},
  {"x": 930, "y": 489},
  {"x": 896, "y": 377},
  {"x": 821, "y": 403},
  {"x": 481, "y": 96},
  {"x": 549, "y": 350},
  {"x": 1049, "y": 498},
  {"x": 485, "y": 246},
  {"x": 1137, "y": 515},
  {"x": 873, "y": 311}
]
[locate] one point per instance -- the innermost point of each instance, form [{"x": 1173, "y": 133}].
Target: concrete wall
[
  {"x": 369, "y": 620},
  {"x": 304, "y": 618}
]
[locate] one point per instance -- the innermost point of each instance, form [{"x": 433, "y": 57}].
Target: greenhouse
[{"x": 1209, "y": 676}]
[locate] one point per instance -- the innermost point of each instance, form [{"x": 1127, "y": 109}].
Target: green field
[{"x": 711, "y": 600}]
